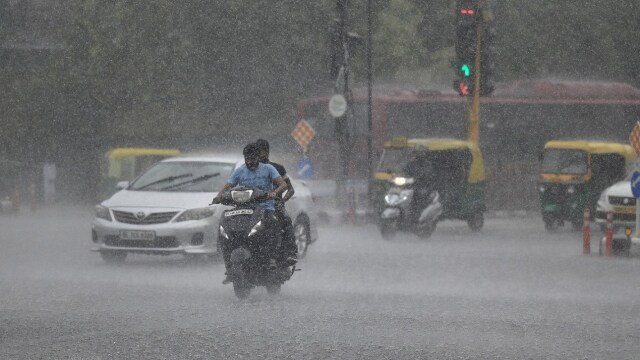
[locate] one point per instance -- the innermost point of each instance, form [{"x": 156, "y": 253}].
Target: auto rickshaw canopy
[
  {"x": 476, "y": 170},
  {"x": 594, "y": 147},
  {"x": 120, "y": 153}
]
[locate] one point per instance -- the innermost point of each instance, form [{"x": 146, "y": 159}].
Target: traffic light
[{"x": 467, "y": 18}]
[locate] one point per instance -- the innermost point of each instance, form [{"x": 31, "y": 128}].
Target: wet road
[{"x": 511, "y": 292}]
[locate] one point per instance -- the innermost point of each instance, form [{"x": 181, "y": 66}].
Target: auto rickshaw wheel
[
  {"x": 476, "y": 221},
  {"x": 427, "y": 231},
  {"x": 576, "y": 225},
  {"x": 551, "y": 225}
]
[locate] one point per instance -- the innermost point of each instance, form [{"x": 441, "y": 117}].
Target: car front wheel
[{"x": 113, "y": 257}]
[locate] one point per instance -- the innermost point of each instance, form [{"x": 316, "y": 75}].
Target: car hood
[
  {"x": 164, "y": 199},
  {"x": 621, "y": 188}
]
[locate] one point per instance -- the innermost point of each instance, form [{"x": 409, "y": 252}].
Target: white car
[
  {"x": 167, "y": 210},
  {"x": 618, "y": 199}
]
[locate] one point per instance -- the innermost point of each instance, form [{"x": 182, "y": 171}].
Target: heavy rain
[{"x": 464, "y": 180}]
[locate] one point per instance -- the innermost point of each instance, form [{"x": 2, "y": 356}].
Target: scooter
[
  {"x": 249, "y": 238},
  {"x": 399, "y": 211}
]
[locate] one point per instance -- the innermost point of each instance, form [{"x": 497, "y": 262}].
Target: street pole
[
  {"x": 474, "y": 109},
  {"x": 342, "y": 122},
  {"x": 369, "y": 99}
]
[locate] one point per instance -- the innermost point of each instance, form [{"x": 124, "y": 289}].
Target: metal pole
[
  {"x": 369, "y": 99},
  {"x": 474, "y": 109}
]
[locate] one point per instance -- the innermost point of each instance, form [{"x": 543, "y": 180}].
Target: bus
[{"x": 515, "y": 123}]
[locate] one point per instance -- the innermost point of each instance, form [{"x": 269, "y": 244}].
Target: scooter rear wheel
[
  {"x": 274, "y": 289},
  {"x": 242, "y": 292}
]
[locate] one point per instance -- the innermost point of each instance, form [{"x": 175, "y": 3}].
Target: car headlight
[
  {"x": 102, "y": 212},
  {"x": 603, "y": 198},
  {"x": 196, "y": 214}
]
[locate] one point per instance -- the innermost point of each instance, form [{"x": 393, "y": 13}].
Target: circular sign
[{"x": 337, "y": 105}]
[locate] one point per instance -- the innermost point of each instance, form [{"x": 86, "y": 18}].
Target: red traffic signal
[{"x": 464, "y": 87}]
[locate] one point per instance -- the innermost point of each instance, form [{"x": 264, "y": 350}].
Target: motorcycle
[
  {"x": 399, "y": 213},
  {"x": 249, "y": 238}
]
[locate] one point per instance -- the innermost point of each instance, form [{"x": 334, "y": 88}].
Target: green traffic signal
[{"x": 466, "y": 70}]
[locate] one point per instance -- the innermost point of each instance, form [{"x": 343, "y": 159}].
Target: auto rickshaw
[
  {"x": 460, "y": 172},
  {"x": 574, "y": 173},
  {"x": 125, "y": 164}
]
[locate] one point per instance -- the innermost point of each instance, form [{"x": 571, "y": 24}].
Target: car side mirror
[{"x": 122, "y": 185}]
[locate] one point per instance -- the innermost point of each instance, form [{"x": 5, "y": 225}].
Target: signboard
[
  {"x": 634, "y": 137},
  {"x": 337, "y": 105},
  {"x": 304, "y": 168},
  {"x": 635, "y": 184},
  {"x": 303, "y": 133}
]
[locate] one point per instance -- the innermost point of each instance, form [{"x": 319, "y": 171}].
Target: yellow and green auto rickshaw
[
  {"x": 460, "y": 172},
  {"x": 574, "y": 173},
  {"x": 125, "y": 164}
]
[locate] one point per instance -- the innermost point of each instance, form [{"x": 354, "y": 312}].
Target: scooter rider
[
  {"x": 254, "y": 174},
  {"x": 288, "y": 249}
]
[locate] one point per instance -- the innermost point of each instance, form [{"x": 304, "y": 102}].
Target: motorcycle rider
[
  {"x": 288, "y": 250},
  {"x": 253, "y": 174}
]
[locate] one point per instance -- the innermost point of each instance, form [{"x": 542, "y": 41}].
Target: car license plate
[
  {"x": 624, "y": 209},
  {"x": 238, "y": 212},
  {"x": 137, "y": 235}
]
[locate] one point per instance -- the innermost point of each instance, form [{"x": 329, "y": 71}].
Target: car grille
[
  {"x": 153, "y": 218},
  {"x": 616, "y": 217},
  {"x": 622, "y": 200},
  {"x": 163, "y": 242}
]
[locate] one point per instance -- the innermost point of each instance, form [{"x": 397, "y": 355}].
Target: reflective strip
[{"x": 238, "y": 212}]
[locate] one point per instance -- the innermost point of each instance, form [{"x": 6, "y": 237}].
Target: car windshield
[
  {"x": 184, "y": 176},
  {"x": 562, "y": 161}
]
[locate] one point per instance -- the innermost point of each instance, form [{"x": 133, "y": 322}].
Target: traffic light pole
[{"x": 474, "y": 108}]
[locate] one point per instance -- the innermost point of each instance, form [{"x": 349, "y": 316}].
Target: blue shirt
[{"x": 262, "y": 178}]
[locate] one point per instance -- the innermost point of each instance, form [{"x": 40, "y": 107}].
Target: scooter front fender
[
  {"x": 431, "y": 213},
  {"x": 390, "y": 213}
]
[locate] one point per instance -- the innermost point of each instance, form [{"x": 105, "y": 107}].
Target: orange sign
[
  {"x": 634, "y": 137},
  {"x": 303, "y": 133}
]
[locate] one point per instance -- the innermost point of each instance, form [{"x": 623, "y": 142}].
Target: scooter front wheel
[{"x": 388, "y": 230}]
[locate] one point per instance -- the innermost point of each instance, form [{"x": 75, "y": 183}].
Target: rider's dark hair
[
  {"x": 262, "y": 145},
  {"x": 251, "y": 150}
]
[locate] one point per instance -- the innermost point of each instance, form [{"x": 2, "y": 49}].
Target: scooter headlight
[
  {"x": 223, "y": 232},
  {"x": 401, "y": 181},
  {"x": 392, "y": 199},
  {"x": 395, "y": 199},
  {"x": 257, "y": 227}
]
